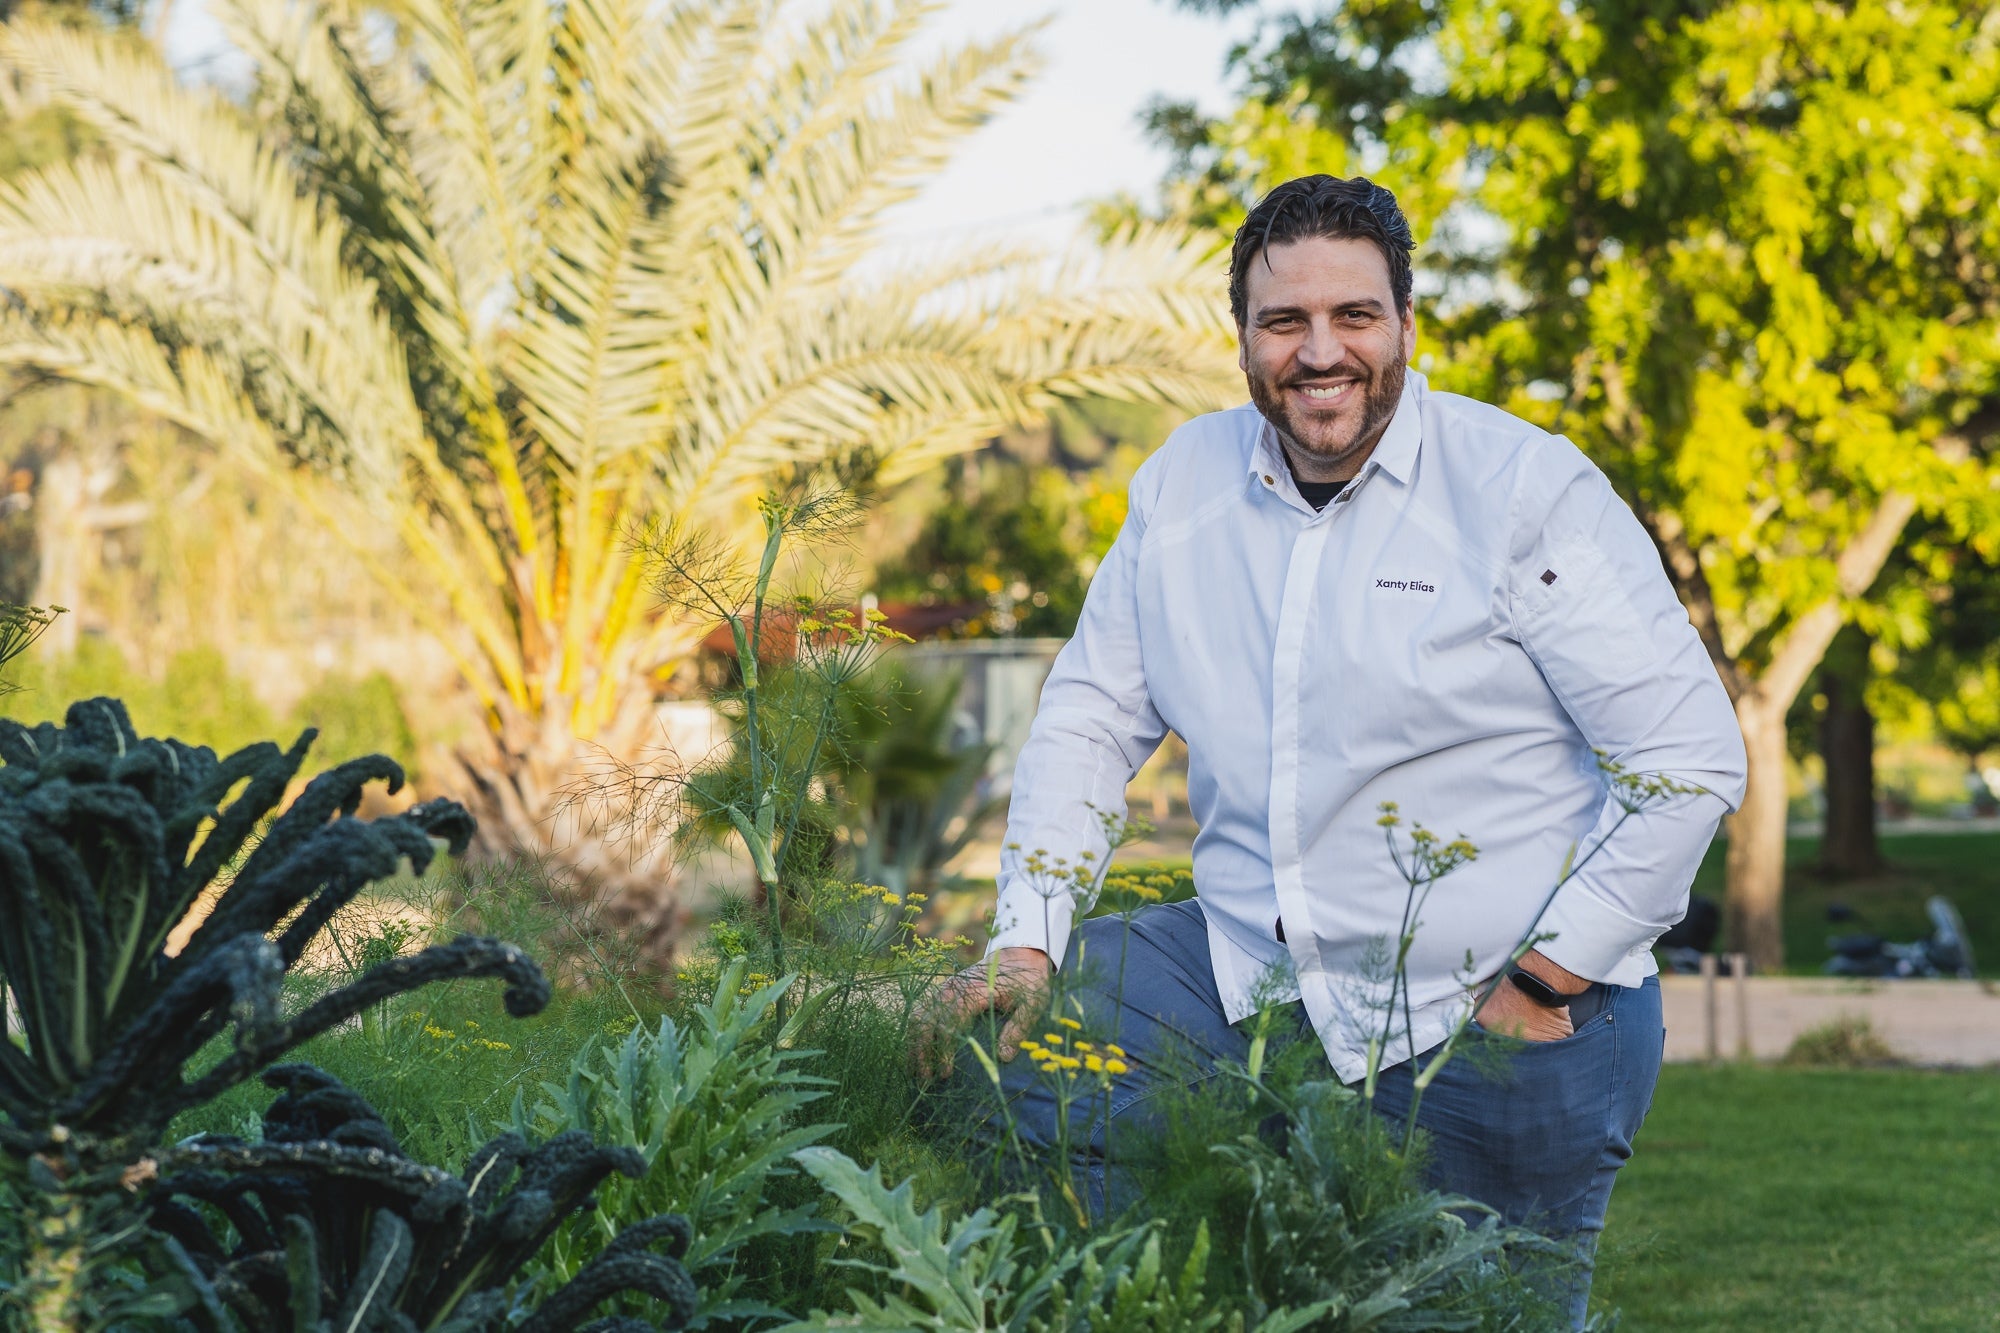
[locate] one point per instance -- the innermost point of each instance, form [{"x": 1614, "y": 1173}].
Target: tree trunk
[
  {"x": 1756, "y": 862},
  {"x": 1848, "y": 846},
  {"x": 65, "y": 544},
  {"x": 1756, "y": 858},
  {"x": 71, "y": 518}
]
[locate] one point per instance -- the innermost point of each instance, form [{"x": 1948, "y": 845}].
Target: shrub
[
  {"x": 357, "y": 715},
  {"x": 1848, "y": 1041},
  {"x": 196, "y": 697},
  {"x": 200, "y": 700},
  {"x": 1005, "y": 1268},
  {"x": 913, "y": 791},
  {"x": 1332, "y": 1218}
]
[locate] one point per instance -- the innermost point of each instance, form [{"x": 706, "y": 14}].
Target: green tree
[
  {"x": 1948, "y": 677},
  {"x": 1746, "y": 255},
  {"x": 1012, "y": 543},
  {"x": 518, "y": 278}
]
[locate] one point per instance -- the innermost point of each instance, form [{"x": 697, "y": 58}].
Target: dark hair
[{"x": 1316, "y": 206}]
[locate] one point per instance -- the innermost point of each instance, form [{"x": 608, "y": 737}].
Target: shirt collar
[{"x": 1395, "y": 453}]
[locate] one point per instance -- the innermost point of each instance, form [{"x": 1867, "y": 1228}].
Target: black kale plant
[
  {"x": 107, "y": 843},
  {"x": 326, "y": 1219}
]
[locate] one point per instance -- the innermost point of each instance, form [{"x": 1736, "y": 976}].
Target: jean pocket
[{"x": 1597, "y": 1022}]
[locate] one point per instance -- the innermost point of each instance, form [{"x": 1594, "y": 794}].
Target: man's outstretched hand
[{"x": 1013, "y": 982}]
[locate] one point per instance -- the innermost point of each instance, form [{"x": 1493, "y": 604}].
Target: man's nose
[{"x": 1322, "y": 349}]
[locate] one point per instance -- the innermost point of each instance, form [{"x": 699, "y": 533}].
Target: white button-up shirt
[{"x": 1457, "y": 632}]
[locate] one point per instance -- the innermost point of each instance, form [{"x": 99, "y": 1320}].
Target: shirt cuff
[
  {"x": 1590, "y": 937},
  {"x": 1019, "y": 922}
]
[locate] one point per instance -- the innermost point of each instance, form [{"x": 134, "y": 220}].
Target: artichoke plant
[
  {"x": 327, "y": 1220},
  {"x": 107, "y": 842}
]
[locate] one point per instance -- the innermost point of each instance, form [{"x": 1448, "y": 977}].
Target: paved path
[
  {"x": 1896, "y": 828},
  {"x": 1929, "y": 1022}
]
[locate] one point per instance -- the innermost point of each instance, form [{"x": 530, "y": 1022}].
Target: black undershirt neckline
[{"x": 1318, "y": 494}]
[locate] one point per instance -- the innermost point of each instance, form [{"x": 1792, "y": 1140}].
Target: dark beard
[{"x": 1380, "y": 397}]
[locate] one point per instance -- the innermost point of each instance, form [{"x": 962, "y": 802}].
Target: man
[{"x": 1355, "y": 590}]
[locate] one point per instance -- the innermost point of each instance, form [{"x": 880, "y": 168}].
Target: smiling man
[{"x": 1357, "y": 589}]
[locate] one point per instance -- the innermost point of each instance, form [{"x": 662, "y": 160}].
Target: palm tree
[{"x": 517, "y": 277}]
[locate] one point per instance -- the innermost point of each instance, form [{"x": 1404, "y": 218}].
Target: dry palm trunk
[{"x": 543, "y": 794}]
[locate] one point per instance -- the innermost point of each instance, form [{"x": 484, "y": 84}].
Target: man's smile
[{"x": 1326, "y": 393}]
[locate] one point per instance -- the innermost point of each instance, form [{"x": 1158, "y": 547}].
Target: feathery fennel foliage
[{"x": 20, "y": 626}]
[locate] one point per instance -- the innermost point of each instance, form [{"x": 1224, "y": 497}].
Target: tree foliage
[
  {"x": 1011, "y": 544},
  {"x": 1745, "y": 254},
  {"x": 1948, "y": 676}
]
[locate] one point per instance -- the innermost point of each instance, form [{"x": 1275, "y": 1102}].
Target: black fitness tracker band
[{"x": 1532, "y": 986}]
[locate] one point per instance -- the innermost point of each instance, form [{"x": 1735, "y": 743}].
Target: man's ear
[
  {"x": 1410, "y": 329},
  {"x": 1243, "y": 349}
]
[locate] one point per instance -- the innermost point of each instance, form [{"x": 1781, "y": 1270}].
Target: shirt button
[{"x": 1268, "y": 481}]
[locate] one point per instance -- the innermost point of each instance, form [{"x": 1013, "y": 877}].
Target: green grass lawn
[
  {"x": 1964, "y": 867},
  {"x": 1775, "y": 1199}
]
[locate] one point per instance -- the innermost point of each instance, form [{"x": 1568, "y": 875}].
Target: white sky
[{"x": 1073, "y": 138}]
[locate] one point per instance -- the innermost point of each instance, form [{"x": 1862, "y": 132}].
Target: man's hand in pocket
[{"x": 1511, "y": 1013}]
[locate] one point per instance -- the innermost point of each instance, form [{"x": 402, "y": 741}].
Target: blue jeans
[{"x": 1537, "y": 1135}]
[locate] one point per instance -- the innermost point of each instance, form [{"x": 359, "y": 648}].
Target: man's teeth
[{"x": 1327, "y": 393}]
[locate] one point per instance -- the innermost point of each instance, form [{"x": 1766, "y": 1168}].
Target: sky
[{"x": 1072, "y": 138}]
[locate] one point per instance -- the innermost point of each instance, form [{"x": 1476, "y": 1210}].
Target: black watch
[{"x": 1532, "y": 986}]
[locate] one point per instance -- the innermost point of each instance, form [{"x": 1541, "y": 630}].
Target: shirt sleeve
[
  {"x": 1093, "y": 729},
  {"x": 1595, "y": 610}
]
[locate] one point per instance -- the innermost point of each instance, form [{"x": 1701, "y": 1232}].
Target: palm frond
[
  {"x": 481, "y": 140},
  {"x": 523, "y": 277},
  {"x": 860, "y": 152},
  {"x": 86, "y": 236}
]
